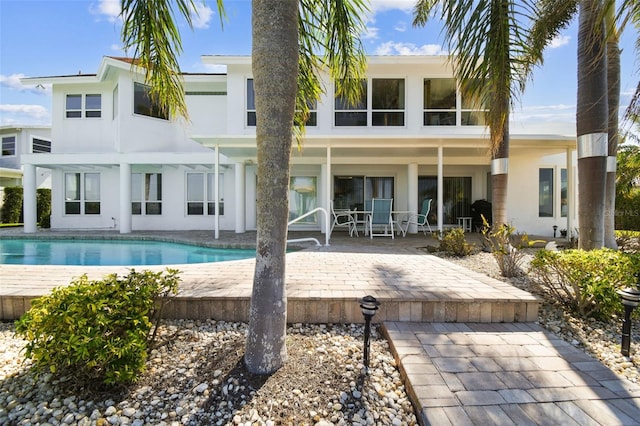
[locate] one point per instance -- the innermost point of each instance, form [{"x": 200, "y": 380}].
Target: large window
[
  {"x": 303, "y": 197},
  {"x": 312, "y": 120},
  {"x": 387, "y": 102},
  {"x": 473, "y": 111},
  {"x": 89, "y": 105},
  {"x": 201, "y": 192},
  {"x": 439, "y": 99},
  {"x": 564, "y": 200},
  {"x": 456, "y": 197},
  {"x": 347, "y": 114},
  {"x": 144, "y": 104},
  {"x": 39, "y": 146},
  {"x": 146, "y": 194},
  {"x": 545, "y": 192},
  {"x": 8, "y": 146},
  {"x": 355, "y": 192},
  {"x": 82, "y": 193}
]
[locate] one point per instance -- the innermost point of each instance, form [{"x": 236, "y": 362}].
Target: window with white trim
[
  {"x": 312, "y": 119},
  {"x": 351, "y": 114},
  {"x": 82, "y": 193},
  {"x": 8, "y": 146},
  {"x": 39, "y": 146},
  {"x": 545, "y": 192},
  {"x": 387, "y": 102},
  {"x": 146, "y": 194},
  {"x": 201, "y": 192},
  {"x": 473, "y": 111},
  {"x": 78, "y": 105},
  {"x": 439, "y": 97},
  {"x": 145, "y": 104}
]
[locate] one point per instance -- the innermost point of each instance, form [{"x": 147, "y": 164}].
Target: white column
[
  {"x": 412, "y": 196},
  {"x": 571, "y": 192},
  {"x": 323, "y": 196},
  {"x": 240, "y": 197},
  {"x": 29, "y": 198},
  {"x": 125, "y": 198},
  {"x": 216, "y": 194},
  {"x": 440, "y": 188}
]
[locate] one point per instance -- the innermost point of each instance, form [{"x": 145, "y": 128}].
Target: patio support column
[
  {"x": 216, "y": 177},
  {"x": 125, "y": 198},
  {"x": 440, "y": 188},
  {"x": 327, "y": 194},
  {"x": 571, "y": 192},
  {"x": 412, "y": 196},
  {"x": 240, "y": 197},
  {"x": 29, "y": 198},
  {"x": 322, "y": 196}
]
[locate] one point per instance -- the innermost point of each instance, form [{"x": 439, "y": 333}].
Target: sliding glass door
[
  {"x": 456, "y": 198},
  {"x": 351, "y": 192}
]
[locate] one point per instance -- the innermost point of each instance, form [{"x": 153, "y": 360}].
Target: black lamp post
[
  {"x": 369, "y": 306},
  {"x": 630, "y": 299}
]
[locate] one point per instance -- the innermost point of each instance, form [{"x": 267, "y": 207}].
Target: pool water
[{"x": 111, "y": 252}]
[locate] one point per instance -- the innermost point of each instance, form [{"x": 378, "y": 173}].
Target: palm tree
[
  {"x": 487, "y": 41},
  {"x": 286, "y": 35}
]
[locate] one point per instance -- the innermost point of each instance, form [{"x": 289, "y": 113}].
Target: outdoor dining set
[{"x": 378, "y": 219}]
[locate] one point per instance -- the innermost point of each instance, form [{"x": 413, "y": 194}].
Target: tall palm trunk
[
  {"x": 613, "y": 87},
  {"x": 275, "y": 29},
  {"x": 500, "y": 174},
  {"x": 591, "y": 125}
]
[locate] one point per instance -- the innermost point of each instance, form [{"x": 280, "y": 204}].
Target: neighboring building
[
  {"x": 118, "y": 162},
  {"x": 16, "y": 142}
]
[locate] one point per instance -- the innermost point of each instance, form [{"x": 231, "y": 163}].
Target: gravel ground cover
[{"x": 197, "y": 377}]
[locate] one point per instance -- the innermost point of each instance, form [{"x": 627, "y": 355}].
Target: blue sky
[{"x": 63, "y": 37}]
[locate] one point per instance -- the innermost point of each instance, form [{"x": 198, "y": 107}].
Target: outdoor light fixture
[
  {"x": 369, "y": 306},
  {"x": 555, "y": 228},
  {"x": 630, "y": 299}
]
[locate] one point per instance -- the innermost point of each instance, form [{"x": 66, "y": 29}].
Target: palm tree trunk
[
  {"x": 499, "y": 178},
  {"x": 591, "y": 125},
  {"x": 613, "y": 87},
  {"x": 275, "y": 29}
]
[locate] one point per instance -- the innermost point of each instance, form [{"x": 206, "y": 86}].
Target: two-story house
[
  {"x": 118, "y": 162},
  {"x": 16, "y": 142}
]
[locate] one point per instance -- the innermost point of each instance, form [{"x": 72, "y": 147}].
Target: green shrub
[
  {"x": 506, "y": 247},
  {"x": 586, "y": 281},
  {"x": 43, "y": 202},
  {"x": 454, "y": 243},
  {"x": 12, "y": 205},
  {"x": 98, "y": 330}
]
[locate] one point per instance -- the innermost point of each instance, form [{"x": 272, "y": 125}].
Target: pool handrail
[{"x": 326, "y": 227}]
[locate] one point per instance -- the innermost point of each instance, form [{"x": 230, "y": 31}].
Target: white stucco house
[
  {"x": 116, "y": 162},
  {"x": 17, "y": 141}
]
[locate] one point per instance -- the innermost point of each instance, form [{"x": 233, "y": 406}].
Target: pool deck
[{"x": 467, "y": 346}]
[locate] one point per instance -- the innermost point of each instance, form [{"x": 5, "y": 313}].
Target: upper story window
[
  {"x": 312, "y": 120},
  {"x": 347, "y": 114},
  {"x": 144, "y": 104},
  {"x": 8, "y": 146},
  {"x": 40, "y": 146},
  {"x": 439, "y": 97},
  {"x": 387, "y": 102},
  {"x": 387, "y": 106},
  {"x": 473, "y": 111},
  {"x": 89, "y": 105}
]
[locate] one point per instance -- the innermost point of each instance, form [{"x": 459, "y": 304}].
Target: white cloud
[
  {"x": 393, "y": 48},
  {"x": 108, "y": 8},
  {"x": 384, "y": 5},
  {"x": 371, "y": 33},
  {"x": 400, "y": 27},
  {"x": 13, "y": 82},
  {"x": 201, "y": 15},
  {"x": 25, "y": 114},
  {"x": 546, "y": 113},
  {"x": 559, "y": 41}
]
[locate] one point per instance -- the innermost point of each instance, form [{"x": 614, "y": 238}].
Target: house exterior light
[
  {"x": 369, "y": 306},
  {"x": 630, "y": 300}
]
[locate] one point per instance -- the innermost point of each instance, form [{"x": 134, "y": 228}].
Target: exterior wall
[{"x": 523, "y": 192}]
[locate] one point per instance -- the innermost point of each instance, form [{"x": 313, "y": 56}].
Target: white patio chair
[
  {"x": 345, "y": 219},
  {"x": 420, "y": 219},
  {"x": 381, "y": 217}
]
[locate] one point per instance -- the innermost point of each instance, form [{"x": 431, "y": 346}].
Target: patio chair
[
  {"x": 344, "y": 218},
  {"x": 381, "y": 217},
  {"x": 420, "y": 219}
]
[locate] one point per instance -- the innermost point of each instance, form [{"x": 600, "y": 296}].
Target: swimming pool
[{"x": 111, "y": 252}]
